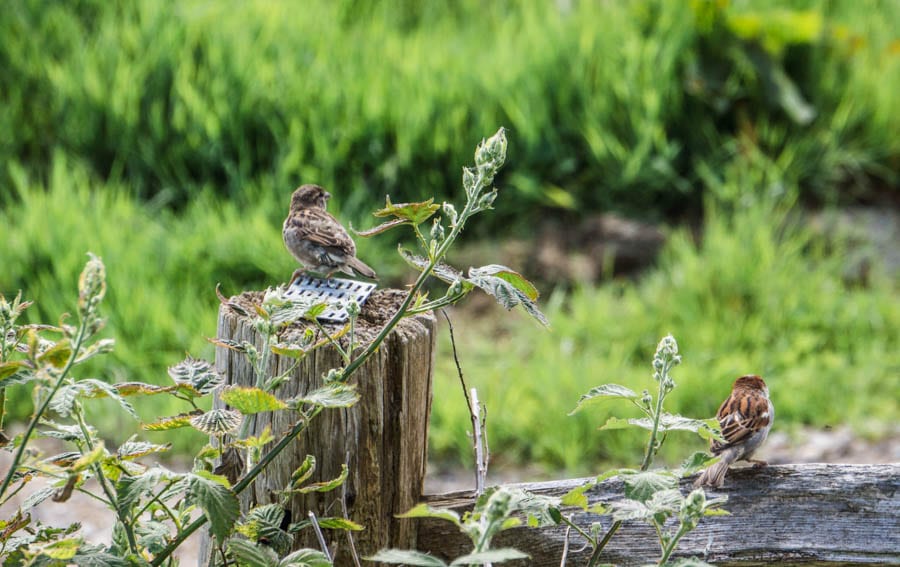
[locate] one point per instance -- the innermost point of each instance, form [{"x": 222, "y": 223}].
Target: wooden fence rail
[{"x": 825, "y": 514}]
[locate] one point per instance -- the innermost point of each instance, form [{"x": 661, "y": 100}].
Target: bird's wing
[
  {"x": 740, "y": 416},
  {"x": 319, "y": 227}
]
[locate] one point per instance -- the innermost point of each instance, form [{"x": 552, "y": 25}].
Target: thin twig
[
  {"x": 459, "y": 371},
  {"x": 480, "y": 460},
  {"x": 320, "y": 535},
  {"x": 565, "y": 551},
  {"x": 353, "y": 552}
]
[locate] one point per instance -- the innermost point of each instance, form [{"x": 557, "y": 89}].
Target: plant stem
[
  {"x": 79, "y": 340},
  {"x": 251, "y": 475},
  {"x": 103, "y": 481},
  {"x": 667, "y": 551}
]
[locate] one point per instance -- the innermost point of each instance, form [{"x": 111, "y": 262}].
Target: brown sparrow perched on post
[
  {"x": 316, "y": 239},
  {"x": 745, "y": 418}
]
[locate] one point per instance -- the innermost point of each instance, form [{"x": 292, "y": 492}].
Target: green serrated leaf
[
  {"x": 217, "y": 421},
  {"x": 199, "y": 374},
  {"x": 57, "y": 355},
  {"x": 624, "y": 510},
  {"x": 492, "y": 556},
  {"x": 305, "y": 558},
  {"x": 616, "y": 423},
  {"x": 63, "y": 401},
  {"x": 141, "y": 389},
  {"x": 383, "y": 227},
  {"x": 219, "y": 503},
  {"x": 508, "y": 275},
  {"x": 248, "y": 554},
  {"x": 415, "y": 213},
  {"x": 576, "y": 496},
  {"x": 173, "y": 422},
  {"x": 326, "y": 486},
  {"x": 328, "y": 523},
  {"x": 136, "y": 449},
  {"x": 130, "y": 489},
  {"x": 10, "y": 368},
  {"x": 445, "y": 273},
  {"x": 506, "y": 294},
  {"x": 88, "y": 459},
  {"x": 642, "y": 485},
  {"x": 333, "y": 395},
  {"x": 302, "y": 473},
  {"x": 91, "y": 388},
  {"x": 603, "y": 393},
  {"x": 250, "y": 400},
  {"x": 402, "y": 557},
  {"x": 426, "y": 511},
  {"x": 61, "y": 550}
]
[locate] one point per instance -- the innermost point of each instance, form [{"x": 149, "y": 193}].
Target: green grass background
[{"x": 166, "y": 139}]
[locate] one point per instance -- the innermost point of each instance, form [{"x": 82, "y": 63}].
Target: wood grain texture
[
  {"x": 823, "y": 514},
  {"x": 383, "y": 438}
]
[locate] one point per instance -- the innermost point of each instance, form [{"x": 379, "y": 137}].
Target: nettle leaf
[
  {"x": 103, "y": 346},
  {"x": 302, "y": 473},
  {"x": 135, "y": 449},
  {"x": 665, "y": 502},
  {"x": 415, "y": 213},
  {"x": 444, "y": 272},
  {"x": 251, "y": 400},
  {"x": 624, "y": 510},
  {"x": 383, "y": 227},
  {"x": 426, "y": 511},
  {"x": 248, "y": 554},
  {"x": 333, "y": 395},
  {"x": 695, "y": 463},
  {"x": 403, "y": 557},
  {"x": 577, "y": 497},
  {"x": 328, "y": 523},
  {"x": 57, "y": 355},
  {"x": 91, "y": 388},
  {"x": 64, "y": 400},
  {"x": 199, "y": 374},
  {"x": 141, "y": 389},
  {"x": 217, "y": 421},
  {"x": 508, "y": 275},
  {"x": 257, "y": 441},
  {"x": 491, "y": 556},
  {"x": 130, "y": 489},
  {"x": 173, "y": 422},
  {"x": 642, "y": 485},
  {"x": 507, "y": 294},
  {"x": 305, "y": 558},
  {"x": 61, "y": 550},
  {"x": 88, "y": 459},
  {"x": 603, "y": 393},
  {"x": 326, "y": 486},
  {"x": 218, "y": 502},
  {"x": 10, "y": 368}
]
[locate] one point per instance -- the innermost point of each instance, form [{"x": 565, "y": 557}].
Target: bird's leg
[
  {"x": 298, "y": 273},
  {"x": 757, "y": 463}
]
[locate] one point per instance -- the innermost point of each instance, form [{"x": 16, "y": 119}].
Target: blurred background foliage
[{"x": 166, "y": 138}]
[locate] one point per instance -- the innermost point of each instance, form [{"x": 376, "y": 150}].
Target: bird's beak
[{"x": 327, "y": 195}]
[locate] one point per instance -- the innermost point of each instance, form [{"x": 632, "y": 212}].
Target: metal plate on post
[{"x": 336, "y": 292}]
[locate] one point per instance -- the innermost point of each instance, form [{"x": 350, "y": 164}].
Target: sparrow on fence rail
[
  {"x": 745, "y": 418},
  {"x": 316, "y": 239}
]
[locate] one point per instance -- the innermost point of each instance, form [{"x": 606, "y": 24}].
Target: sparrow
[
  {"x": 316, "y": 239},
  {"x": 745, "y": 419}
]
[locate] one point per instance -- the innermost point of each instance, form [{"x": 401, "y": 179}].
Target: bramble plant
[
  {"x": 649, "y": 495},
  {"x": 156, "y": 509}
]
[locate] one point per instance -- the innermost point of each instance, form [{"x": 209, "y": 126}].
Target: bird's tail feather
[
  {"x": 714, "y": 475},
  {"x": 361, "y": 268}
]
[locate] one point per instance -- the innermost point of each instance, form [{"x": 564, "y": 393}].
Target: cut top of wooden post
[{"x": 383, "y": 438}]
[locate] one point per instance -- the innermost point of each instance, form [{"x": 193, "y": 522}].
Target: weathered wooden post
[{"x": 383, "y": 438}]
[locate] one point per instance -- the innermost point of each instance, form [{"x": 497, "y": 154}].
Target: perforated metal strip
[{"x": 335, "y": 292}]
